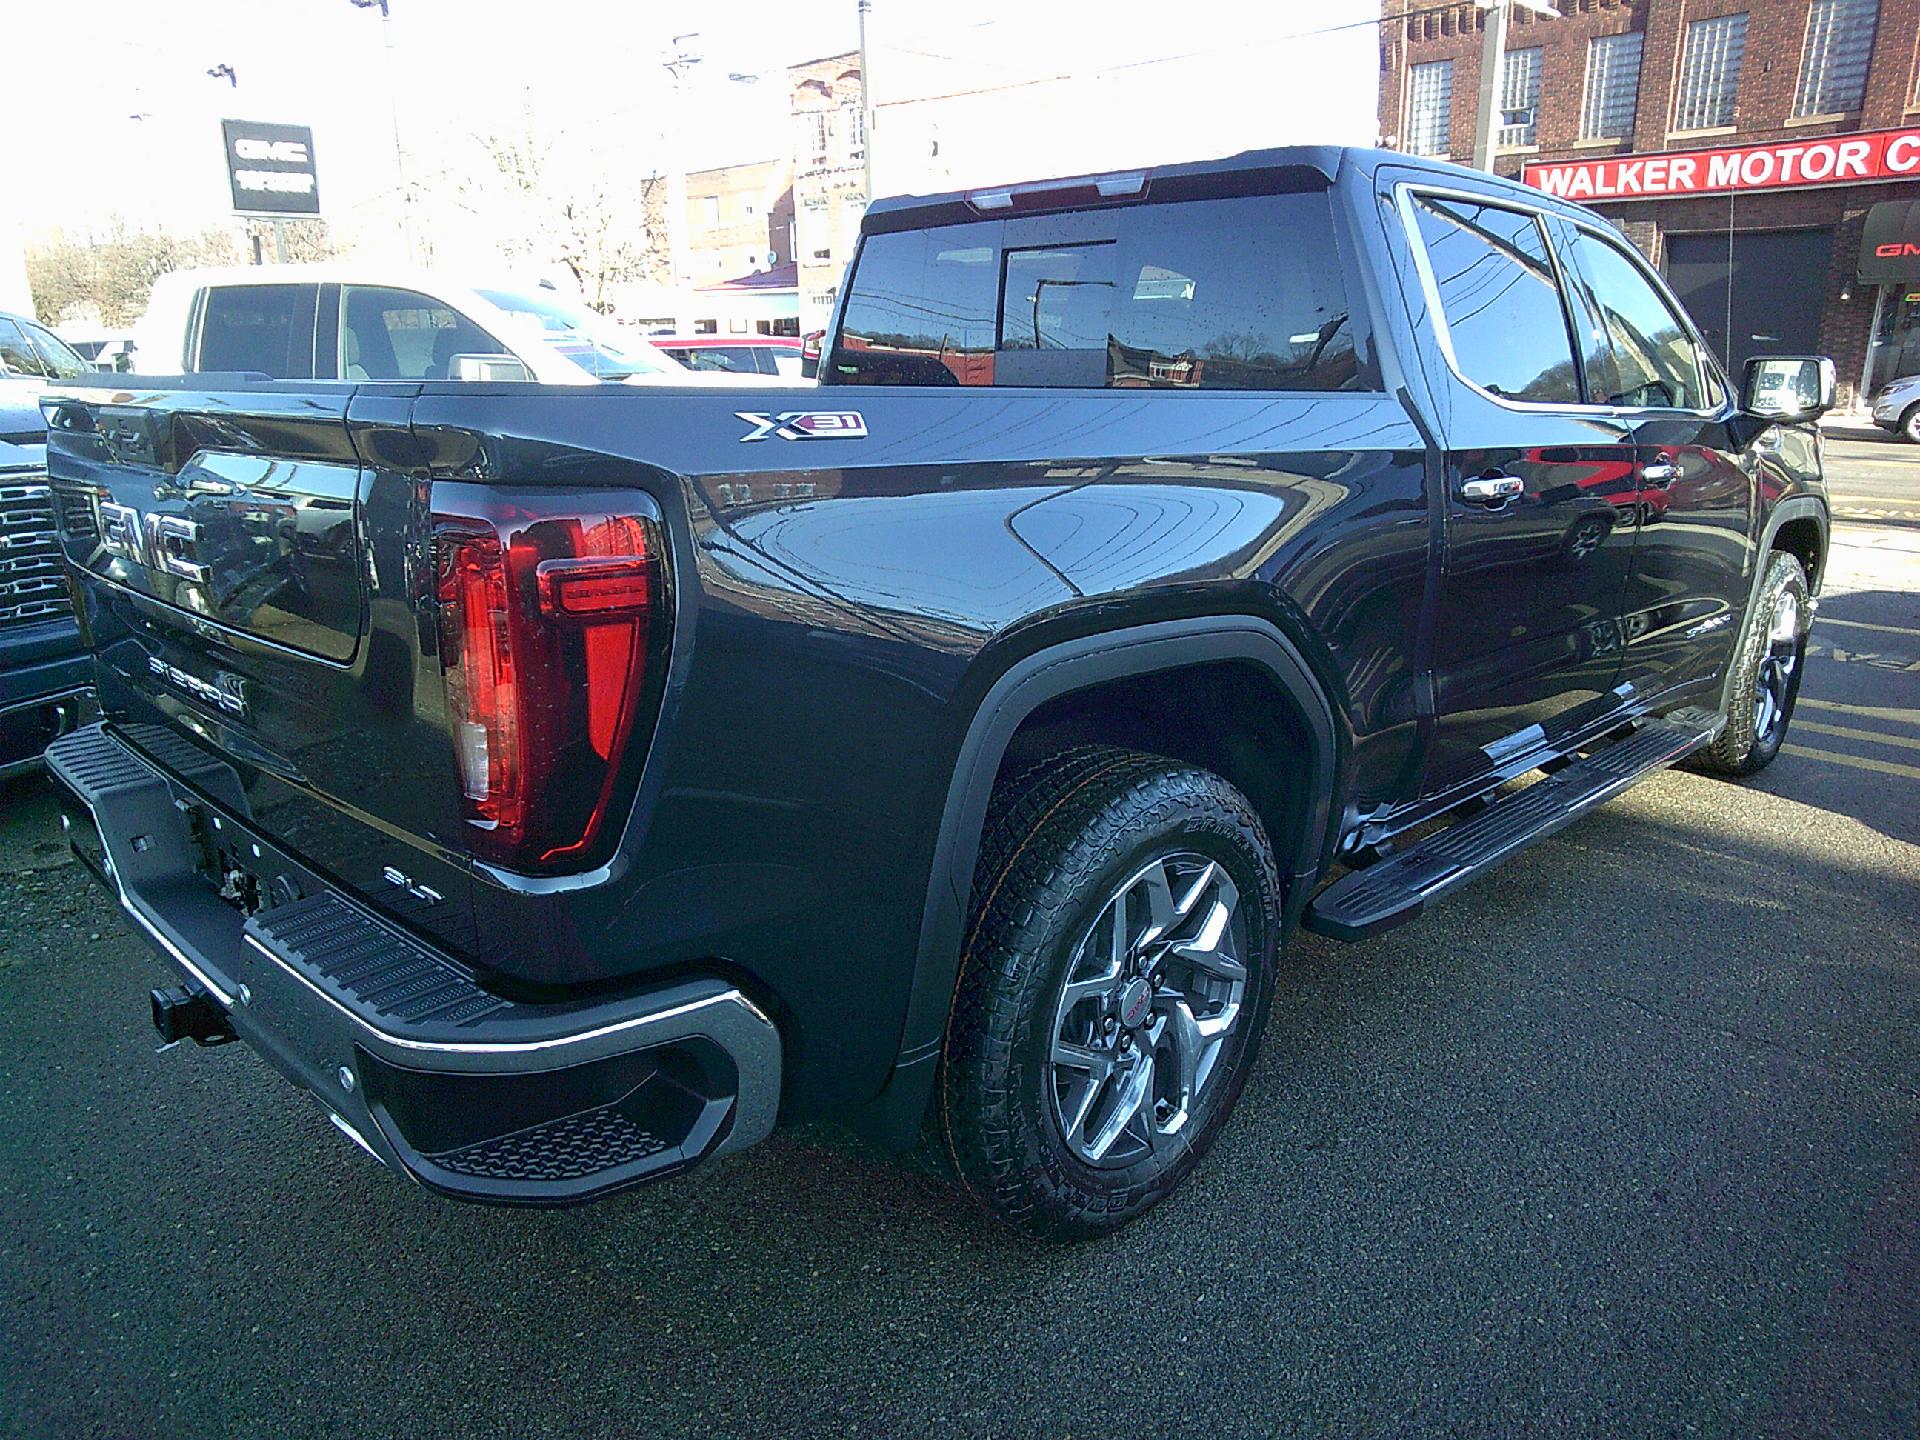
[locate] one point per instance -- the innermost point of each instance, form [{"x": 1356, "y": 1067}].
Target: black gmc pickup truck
[{"x": 566, "y": 784}]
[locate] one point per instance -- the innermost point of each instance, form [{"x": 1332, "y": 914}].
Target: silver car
[{"x": 1897, "y": 407}]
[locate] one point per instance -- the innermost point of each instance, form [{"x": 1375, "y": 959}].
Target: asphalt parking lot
[{"x": 1624, "y": 1140}]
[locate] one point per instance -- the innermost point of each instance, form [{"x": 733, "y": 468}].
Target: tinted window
[
  {"x": 1653, "y": 360},
  {"x": 921, "y": 310},
  {"x": 60, "y": 357},
  {"x": 16, "y": 354},
  {"x": 1238, "y": 294},
  {"x": 268, "y": 328},
  {"x": 1504, "y": 313},
  {"x": 1056, "y": 315},
  {"x": 404, "y": 335},
  {"x": 1241, "y": 294}
]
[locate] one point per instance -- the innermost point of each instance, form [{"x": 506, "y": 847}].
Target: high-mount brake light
[
  {"x": 552, "y": 628},
  {"x": 1050, "y": 194}
]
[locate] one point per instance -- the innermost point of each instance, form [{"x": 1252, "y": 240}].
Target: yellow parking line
[
  {"x": 1898, "y": 714},
  {"x": 1884, "y": 767},
  {"x": 1863, "y": 625},
  {"x": 1847, "y": 732}
]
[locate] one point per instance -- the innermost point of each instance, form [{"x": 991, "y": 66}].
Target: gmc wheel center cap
[{"x": 1135, "y": 1001}]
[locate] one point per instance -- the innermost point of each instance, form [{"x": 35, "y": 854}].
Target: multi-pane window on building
[
  {"x": 1710, "y": 73},
  {"x": 1613, "y": 86},
  {"x": 1429, "y": 107},
  {"x": 1520, "y": 97},
  {"x": 1835, "y": 56}
]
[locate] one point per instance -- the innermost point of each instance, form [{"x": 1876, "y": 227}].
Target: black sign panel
[
  {"x": 270, "y": 168},
  {"x": 1890, "y": 245}
]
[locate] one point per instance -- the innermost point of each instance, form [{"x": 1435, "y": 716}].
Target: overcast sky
[{"x": 126, "y": 118}]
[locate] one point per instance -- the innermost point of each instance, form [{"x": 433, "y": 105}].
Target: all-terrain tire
[
  {"x": 1060, "y": 837},
  {"x": 1754, "y": 731}
]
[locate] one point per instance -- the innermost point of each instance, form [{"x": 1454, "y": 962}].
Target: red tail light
[{"x": 552, "y": 625}]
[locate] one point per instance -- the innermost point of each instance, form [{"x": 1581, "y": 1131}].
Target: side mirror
[
  {"x": 487, "y": 367},
  {"x": 1788, "y": 389}
]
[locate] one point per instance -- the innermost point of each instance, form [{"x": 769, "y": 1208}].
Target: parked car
[
  {"x": 341, "y": 320},
  {"x": 563, "y": 793},
  {"x": 774, "y": 355},
  {"x": 31, "y": 356},
  {"x": 1897, "y": 407}
]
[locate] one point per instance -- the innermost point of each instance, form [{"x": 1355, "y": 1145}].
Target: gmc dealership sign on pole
[
  {"x": 270, "y": 168},
  {"x": 1858, "y": 159}
]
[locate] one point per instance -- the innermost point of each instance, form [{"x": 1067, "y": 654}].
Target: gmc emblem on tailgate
[
  {"x": 805, "y": 425},
  {"x": 160, "y": 542}
]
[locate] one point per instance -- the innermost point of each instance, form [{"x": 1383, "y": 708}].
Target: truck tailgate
[{"x": 244, "y": 579}]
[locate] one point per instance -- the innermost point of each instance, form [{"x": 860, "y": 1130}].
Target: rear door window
[
  {"x": 1240, "y": 293},
  {"x": 264, "y": 328},
  {"x": 1506, "y": 319},
  {"x": 403, "y": 335}
]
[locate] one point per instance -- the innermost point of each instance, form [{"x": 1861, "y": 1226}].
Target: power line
[{"x": 1236, "y": 47}]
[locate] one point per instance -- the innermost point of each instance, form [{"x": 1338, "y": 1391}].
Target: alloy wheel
[
  {"x": 1152, "y": 995},
  {"x": 1773, "y": 689}
]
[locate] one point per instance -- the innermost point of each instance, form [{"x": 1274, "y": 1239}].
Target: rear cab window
[
  {"x": 263, "y": 328},
  {"x": 1232, "y": 293}
]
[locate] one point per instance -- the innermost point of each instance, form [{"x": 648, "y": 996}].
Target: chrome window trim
[{"x": 1406, "y": 192}]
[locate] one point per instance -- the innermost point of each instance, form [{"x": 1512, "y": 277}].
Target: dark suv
[{"x": 564, "y": 785}]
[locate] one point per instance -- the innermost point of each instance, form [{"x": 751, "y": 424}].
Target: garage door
[{"x": 1777, "y": 278}]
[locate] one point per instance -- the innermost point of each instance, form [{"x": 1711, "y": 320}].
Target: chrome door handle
[
  {"x": 1660, "y": 474},
  {"x": 1492, "y": 489}
]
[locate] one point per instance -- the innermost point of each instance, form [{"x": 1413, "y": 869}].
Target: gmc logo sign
[{"x": 1898, "y": 250}]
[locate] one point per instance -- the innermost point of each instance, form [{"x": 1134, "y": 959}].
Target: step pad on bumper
[
  {"x": 1395, "y": 890},
  {"x": 570, "y": 1148},
  {"x": 478, "y": 1095},
  {"x": 388, "y": 973}
]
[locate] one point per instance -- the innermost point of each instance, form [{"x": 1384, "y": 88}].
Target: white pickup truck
[{"x": 343, "y": 321}]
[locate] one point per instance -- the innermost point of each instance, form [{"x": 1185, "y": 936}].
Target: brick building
[
  {"x": 739, "y": 273},
  {"x": 1744, "y": 145},
  {"x": 829, "y": 178},
  {"x": 739, "y": 220}
]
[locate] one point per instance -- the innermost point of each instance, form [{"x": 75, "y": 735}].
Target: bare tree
[
  {"x": 302, "y": 240},
  {"x": 562, "y": 206},
  {"x": 104, "y": 278}
]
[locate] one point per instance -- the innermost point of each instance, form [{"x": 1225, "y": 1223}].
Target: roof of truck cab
[
  {"x": 896, "y": 212},
  {"x": 359, "y": 272}
]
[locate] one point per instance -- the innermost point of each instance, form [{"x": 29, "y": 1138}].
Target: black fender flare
[
  {"x": 1022, "y": 688},
  {"x": 1794, "y": 507}
]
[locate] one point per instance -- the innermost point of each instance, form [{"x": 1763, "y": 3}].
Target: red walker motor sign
[{"x": 1859, "y": 159}]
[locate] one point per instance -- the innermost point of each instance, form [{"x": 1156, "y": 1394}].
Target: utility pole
[
  {"x": 866, "y": 103},
  {"x": 1493, "y": 70},
  {"x": 1493, "y": 73},
  {"x": 678, "y": 221},
  {"x": 393, "y": 108}
]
